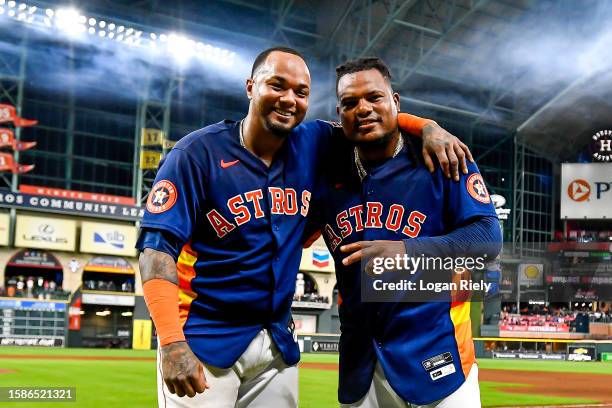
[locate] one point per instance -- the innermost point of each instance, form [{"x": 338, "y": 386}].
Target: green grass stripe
[
  {"x": 319, "y": 358},
  {"x": 549, "y": 366},
  {"x": 318, "y": 389},
  {"x": 99, "y": 384},
  {"x": 76, "y": 352}
]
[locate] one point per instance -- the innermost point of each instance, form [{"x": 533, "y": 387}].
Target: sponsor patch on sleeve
[
  {"x": 437, "y": 361},
  {"x": 162, "y": 197},
  {"x": 476, "y": 187}
]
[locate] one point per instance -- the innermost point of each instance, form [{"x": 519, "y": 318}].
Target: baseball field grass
[{"x": 121, "y": 378}]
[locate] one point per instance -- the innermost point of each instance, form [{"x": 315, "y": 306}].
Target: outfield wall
[{"x": 537, "y": 348}]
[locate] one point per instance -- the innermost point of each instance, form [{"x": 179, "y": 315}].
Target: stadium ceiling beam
[
  {"x": 95, "y": 160},
  {"x": 417, "y": 27},
  {"x": 576, "y": 84},
  {"x": 458, "y": 111},
  {"x": 265, "y": 9},
  {"x": 284, "y": 12},
  {"x": 301, "y": 32},
  {"x": 394, "y": 13},
  {"x": 287, "y": 10},
  {"x": 338, "y": 27},
  {"x": 457, "y": 23}
]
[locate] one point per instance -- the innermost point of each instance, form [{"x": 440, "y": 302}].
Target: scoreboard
[{"x": 33, "y": 323}]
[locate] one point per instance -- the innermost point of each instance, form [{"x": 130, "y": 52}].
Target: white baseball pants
[{"x": 259, "y": 379}]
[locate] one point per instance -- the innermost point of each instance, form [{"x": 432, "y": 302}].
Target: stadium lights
[
  {"x": 70, "y": 21},
  {"x": 103, "y": 313},
  {"x": 73, "y": 23},
  {"x": 126, "y": 314}
]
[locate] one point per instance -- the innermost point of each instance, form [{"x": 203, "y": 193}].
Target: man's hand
[
  {"x": 369, "y": 250},
  {"x": 450, "y": 151},
  {"x": 182, "y": 371}
]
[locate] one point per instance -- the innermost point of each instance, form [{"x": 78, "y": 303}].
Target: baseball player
[
  {"x": 383, "y": 203},
  {"x": 222, "y": 235}
]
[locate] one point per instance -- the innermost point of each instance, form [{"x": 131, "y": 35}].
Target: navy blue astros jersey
[
  {"x": 399, "y": 200},
  {"x": 240, "y": 224}
]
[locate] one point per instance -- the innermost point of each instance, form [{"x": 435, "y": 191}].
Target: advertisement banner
[
  {"x": 45, "y": 233},
  {"x": 586, "y": 190},
  {"x": 32, "y": 305},
  {"x": 305, "y": 323},
  {"x": 325, "y": 346},
  {"x": 317, "y": 258},
  {"x": 108, "y": 300},
  {"x": 528, "y": 356},
  {"x": 75, "y": 195},
  {"x": 37, "y": 341},
  {"x": 531, "y": 274},
  {"x": 141, "y": 336},
  {"x": 108, "y": 239},
  {"x": 74, "y": 315},
  {"x": 4, "y": 228},
  {"x": 110, "y": 264},
  {"x": 34, "y": 259},
  {"x": 32, "y": 202},
  {"x": 581, "y": 353}
]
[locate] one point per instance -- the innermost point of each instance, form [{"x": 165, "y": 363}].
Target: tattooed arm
[{"x": 182, "y": 372}]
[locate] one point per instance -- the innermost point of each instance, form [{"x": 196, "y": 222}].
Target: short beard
[
  {"x": 281, "y": 133},
  {"x": 378, "y": 144}
]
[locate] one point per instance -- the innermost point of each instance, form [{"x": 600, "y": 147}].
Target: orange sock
[
  {"x": 162, "y": 299},
  {"x": 412, "y": 124}
]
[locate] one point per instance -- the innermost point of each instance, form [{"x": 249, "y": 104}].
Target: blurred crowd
[
  {"x": 109, "y": 286},
  {"x": 553, "y": 317},
  {"x": 585, "y": 236},
  {"x": 310, "y": 297},
  {"x": 33, "y": 287}
]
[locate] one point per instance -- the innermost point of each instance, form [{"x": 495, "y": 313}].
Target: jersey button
[{"x": 275, "y": 227}]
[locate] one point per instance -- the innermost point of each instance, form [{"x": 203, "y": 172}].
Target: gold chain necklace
[
  {"x": 242, "y": 134},
  {"x": 361, "y": 170}
]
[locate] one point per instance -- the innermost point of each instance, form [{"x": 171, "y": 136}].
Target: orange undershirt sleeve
[
  {"x": 162, "y": 299},
  {"x": 412, "y": 124}
]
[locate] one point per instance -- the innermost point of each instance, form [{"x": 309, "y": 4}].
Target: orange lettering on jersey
[
  {"x": 276, "y": 197},
  {"x": 415, "y": 220},
  {"x": 333, "y": 239},
  {"x": 219, "y": 223},
  {"x": 345, "y": 226},
  {"x": 290, "y": 202},
  {"x": 357, "y": 213},
  {"x": 255, "y": 196},
  {"x": 305, "y": 203},
  {"x": 394, "y": 219},
  {"x": 237, "y": 208},
  {"x": 373, "y": 215}
]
